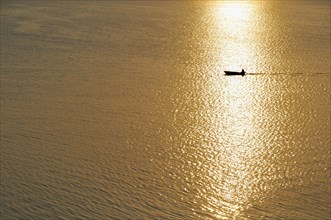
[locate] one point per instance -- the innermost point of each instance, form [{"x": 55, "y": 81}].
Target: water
[{"x": 121, "y": 110}]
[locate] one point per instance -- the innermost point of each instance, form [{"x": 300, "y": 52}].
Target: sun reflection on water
[
  {"x": 235, "y": 23},
  {"x": 234, "y": 187},
  {"x": 234, "y": 180},
  {"x": 234, "y": 14}
]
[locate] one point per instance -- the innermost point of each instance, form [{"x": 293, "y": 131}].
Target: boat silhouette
[{"x": 233, "y": 73}]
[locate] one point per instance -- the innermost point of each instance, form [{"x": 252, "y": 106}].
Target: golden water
[{"x": 121, "y": 110}]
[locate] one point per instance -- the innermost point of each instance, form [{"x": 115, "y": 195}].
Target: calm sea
[{"x": 121, "y": 110}]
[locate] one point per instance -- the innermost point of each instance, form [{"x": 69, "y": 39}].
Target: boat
[{"x": 232, "y": 73}]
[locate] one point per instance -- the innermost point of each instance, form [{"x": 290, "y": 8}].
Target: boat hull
[{"x": 231, "y": 73}]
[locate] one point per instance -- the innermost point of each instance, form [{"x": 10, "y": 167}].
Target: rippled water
[{"x": 121, "y": 110}]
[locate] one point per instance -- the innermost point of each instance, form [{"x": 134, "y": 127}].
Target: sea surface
[{"x": 121, "y": 110}]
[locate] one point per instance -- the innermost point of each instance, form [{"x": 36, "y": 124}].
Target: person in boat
[{"x": 243, "y": 71}]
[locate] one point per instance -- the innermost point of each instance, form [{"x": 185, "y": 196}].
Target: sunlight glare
[
  {"x": 235, "y": 21},
  {"x": 234, "y": 174},
  {"x": 234, "y": 9}
]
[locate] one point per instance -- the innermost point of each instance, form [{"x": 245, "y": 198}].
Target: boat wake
[{"x": 286, "y": 73}]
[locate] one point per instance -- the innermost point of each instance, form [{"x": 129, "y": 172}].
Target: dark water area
[{"x": 121, "y": 110}]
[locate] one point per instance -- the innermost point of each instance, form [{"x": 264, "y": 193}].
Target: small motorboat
[{"x": 232, "y": 73}]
